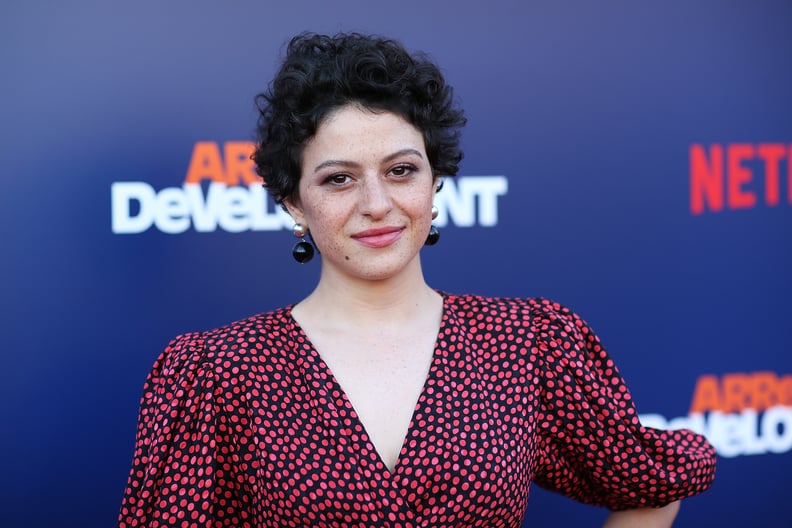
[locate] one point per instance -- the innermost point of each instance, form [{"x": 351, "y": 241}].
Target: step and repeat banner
[{"x": 629, "y": 160}]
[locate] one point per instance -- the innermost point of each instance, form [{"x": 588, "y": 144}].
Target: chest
[
  {"x": 381, "y": 379},
  {"x": 464, "y": 454}
]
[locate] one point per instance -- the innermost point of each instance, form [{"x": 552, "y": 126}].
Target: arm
[
  {"x": 643, "y": 517},
  {"x": 184, "y": 467},
  {"x": 591, "y": 445}
]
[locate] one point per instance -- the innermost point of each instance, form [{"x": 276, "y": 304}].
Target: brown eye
[
  {"x": 337, "y": 179},
  {"x": 402, "y": 170}
]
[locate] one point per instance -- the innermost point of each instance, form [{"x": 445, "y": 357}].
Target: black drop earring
[
  {"x": 434, "y": 233},
  {"x": 302, "y": 251}
]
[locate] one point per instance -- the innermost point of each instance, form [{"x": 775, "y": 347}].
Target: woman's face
[{"x": 366, "y": 191}]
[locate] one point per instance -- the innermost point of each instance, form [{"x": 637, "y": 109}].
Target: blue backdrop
[{"x": 631, "y": 160}]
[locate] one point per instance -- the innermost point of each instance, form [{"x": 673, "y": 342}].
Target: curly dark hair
[{"x": 322, "y": 73}]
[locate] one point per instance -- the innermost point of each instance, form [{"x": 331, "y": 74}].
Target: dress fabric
[{"x": 245, "y": 425}]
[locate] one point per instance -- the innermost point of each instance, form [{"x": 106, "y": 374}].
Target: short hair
[{"x": 322, "y": 73}]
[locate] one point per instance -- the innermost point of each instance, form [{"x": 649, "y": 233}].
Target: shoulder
[
  {"x": 537, "y": 309},
  {"x": 545, "y": 323},
  {"x": 269, "y": 328},
  {"x": 252, "y": 338}
]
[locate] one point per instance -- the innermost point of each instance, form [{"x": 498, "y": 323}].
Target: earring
[
  {"x": 434, "y": 233},
  {"x": 302, "y": 251}
]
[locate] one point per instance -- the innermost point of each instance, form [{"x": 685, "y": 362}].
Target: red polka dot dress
[{"x": 246, "y": 426}]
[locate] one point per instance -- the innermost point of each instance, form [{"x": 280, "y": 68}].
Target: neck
[{"x": 342, "y": 301}]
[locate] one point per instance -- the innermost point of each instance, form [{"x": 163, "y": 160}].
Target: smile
[{"x": 380, "y": 237}]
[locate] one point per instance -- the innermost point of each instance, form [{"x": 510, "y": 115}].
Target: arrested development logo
[
  {"x": 741, "y": 413},
  {"x": 222, "y": 191},
  {"x": 739, "y": 176}
]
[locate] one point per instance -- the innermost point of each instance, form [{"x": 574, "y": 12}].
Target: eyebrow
[{"x": 344, "y": 163}]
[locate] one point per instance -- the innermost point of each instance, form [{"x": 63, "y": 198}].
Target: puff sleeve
[
  {"x": 591, "y": 444},
  {"x": 182, "y": 472}
]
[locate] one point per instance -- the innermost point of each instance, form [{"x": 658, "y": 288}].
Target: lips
[{"x": 379, "y": 237}]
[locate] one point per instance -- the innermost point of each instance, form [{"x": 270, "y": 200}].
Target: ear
[
  {"x": 292, "y": 205},
  {"x": 437, "y": 182}
]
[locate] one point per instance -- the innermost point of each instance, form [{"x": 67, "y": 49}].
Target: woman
[{"x": 376, "y": 400}]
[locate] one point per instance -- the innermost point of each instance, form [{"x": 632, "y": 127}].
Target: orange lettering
[
  {"x": 239, "y": 167},
  {"x": 205, "y": 164},
  {"x": 771, "y": 153},
  {"x": 739, "y": 391},
  {"x": 765, "y": 390},
  {"x": 736, "y": 392},
  {"x": 739, "y": 175},
  {"x": 706, "y": 396},
  {"x": 785, "y": 390},
  {"x": 706, "y": 178}
]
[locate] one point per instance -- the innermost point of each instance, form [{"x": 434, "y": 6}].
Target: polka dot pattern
[{"x": 246, "y": 426}]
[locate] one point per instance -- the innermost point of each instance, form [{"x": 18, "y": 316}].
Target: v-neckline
[{"x": 366, "y": 441}]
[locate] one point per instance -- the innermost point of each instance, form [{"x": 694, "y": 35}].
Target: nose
[{"x": 375, "y": 199}]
